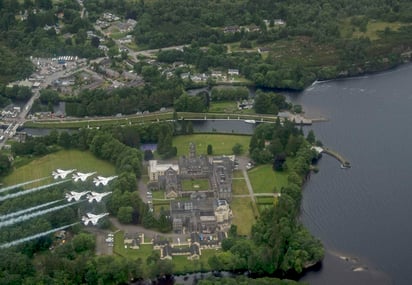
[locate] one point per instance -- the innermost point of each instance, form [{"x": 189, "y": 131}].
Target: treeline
[
  {"x": 270, "y": 103},
  {"x": 229, "y": 93},
  {"x": 126, "y": 100},
  {"x": 279, "y": 243},
  {"x": 15, "y": 93}
]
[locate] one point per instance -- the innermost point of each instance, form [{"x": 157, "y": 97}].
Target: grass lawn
[
  {"x": 266, "y": 200},
  {"x": 157, "y": 194},
  {"x": 65, "y": 159},
  {"x": 182, "y": 265},
  {"x": 373, "y": 29},
  {"x": 239, "y": 187},
  {"x": 195, "y": 184},
  {"x": 238, "y": 174},
  {"x": 243, "y": 215},
  {"x": 265, "y": 180},
  {"x": 221, "y": 144},
  {"x": 143, "y": 252},
  {"x": 228, "y": 107}
]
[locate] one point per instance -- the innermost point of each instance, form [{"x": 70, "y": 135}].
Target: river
[{"x": 362, "y": 212}]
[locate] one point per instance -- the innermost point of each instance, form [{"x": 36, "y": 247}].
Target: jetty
[{"x": 343, "y": 162}]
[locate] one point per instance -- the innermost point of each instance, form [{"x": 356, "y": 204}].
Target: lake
[{"x": 362, "y": 214}]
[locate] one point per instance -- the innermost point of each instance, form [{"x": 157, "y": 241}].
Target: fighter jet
[
  {"x": 59, "y": 173},
  {"x": 76, "y": 196},
  {"x": 96, "y": 196},
  {"x": 103, "y": 180},
  {"x": 91, "y": 218},
  {"x": 81, "y": 176}
]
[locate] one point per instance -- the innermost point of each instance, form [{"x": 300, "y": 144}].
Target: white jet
[
  {"x": 76, "y": 196},
  {"x": 94, "y": 219},
  {"x": 81, "y": 176},
  {"x": 96, "y": 196},
  {"x": 59, "y": 173},
  {"x": 100, "y": 180}
]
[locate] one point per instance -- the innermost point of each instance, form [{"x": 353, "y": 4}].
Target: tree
[
  {"x": 237, "y": 149},
  {"x": 83, "y": 241},
  {"x": 5, "y": 164},
  {"x": 125, "y": 214},
  {"x": 209, "y": 149},
  {"x": 311, "y": 137}
]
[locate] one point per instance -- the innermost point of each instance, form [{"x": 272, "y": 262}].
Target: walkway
[{"x": 249, "y": 186}]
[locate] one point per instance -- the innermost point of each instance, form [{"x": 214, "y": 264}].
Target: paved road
[{"x": 147, "y": 232}]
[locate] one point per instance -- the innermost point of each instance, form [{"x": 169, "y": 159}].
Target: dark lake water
[{"x": 363, "y": 212}]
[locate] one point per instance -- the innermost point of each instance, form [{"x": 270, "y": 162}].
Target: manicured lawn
[
  {"x": 143, "y": 252},
  {"x": 221, "y": 144},
  {"x": 65, "y": 159},
  {"x": 269, "y": 200},
  {"x": 243, "y": 215},
  {"x": 239, "y": 187},
  {"x": 182, "y": 265},
  {"x": 157, "y": 194},
  {"x": 238, "y": 174},
  {"x": 195, "y": 184},
  {"x": 265, "y": 180}
]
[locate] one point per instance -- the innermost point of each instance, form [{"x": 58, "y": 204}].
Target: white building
[{"x": 155, "y": 170}]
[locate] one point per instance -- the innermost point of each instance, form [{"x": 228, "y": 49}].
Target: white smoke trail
[
  {"x": 16, "y": 242},
  {"x": 23, "y": 218},
  {"x": 17, "y": 194},
  {"x": 21, "y": 184},
  {"x": 21, "y": 212}
]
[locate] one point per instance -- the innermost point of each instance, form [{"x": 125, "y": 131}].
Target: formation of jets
[
  {"x": 81, "y": 176},
  {"x": 59, "y": 173},
  {"x": 96, "y": 196},
  {"x": 91, "y": 218},
  {"x": 100, "y": 180},
  {"x": 91, "y": 196}
]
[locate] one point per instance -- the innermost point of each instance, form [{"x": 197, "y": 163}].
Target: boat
[{"x": 250, "y": 121}]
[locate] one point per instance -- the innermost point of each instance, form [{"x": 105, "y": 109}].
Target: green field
[
  {"x": 65, "y": 159},
  {"x": 228, "y": 108},
  {"x": 265, "y": 180},
  {"x": 243, "y": 215},
  {"x": 373, "y": 29},
  {"x": 195, "y": 184},
  {"x": 221, "y": 144},
  {"x": 239, "y": 187}
]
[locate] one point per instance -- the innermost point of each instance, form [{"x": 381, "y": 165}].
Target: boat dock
[{"x": 343, "y": 162}]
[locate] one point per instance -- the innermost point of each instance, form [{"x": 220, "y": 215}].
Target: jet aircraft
[
  {"x": 81, "y": 176},
  {"x": 100, "y": 180},
  {"x": 91, "y": 218},
  {"x": 96, "y": 196},
  {"x": 76, "y": 196},
  {"x": 59, "y": 173}
]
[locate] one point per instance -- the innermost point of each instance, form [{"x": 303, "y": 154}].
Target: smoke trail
[
  {"x": 21, "y": 212},
  {"x": 16, "y": 242},
  {"x": 23, "y": 218},
  {"x": 2, "y": 198},
  {"x": 21, "y": 184}
]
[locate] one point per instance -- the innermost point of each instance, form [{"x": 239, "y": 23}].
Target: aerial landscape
[{"x": 205, "y": 142}]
